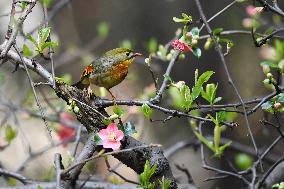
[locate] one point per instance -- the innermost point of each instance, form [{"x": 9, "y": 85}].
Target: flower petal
[
  {"x": 112, "y": 144},
  {"x": 112, "y": 127},
  {"x": 103, "y": 134},
  {"x": 119, "y": 135}
]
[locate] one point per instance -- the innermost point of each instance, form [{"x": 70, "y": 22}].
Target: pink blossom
[
  {"x": 252, "y": 11},
  {"x": 111, "y": 136},
  {"x": 247, "y": 22},
  {"x": 181, "y": 46},
  {"x": 63, "y": 131}
]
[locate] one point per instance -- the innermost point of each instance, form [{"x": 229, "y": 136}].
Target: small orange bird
[{"x": 108, "y": 70}]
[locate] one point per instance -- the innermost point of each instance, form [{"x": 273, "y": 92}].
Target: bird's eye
[{"x": 128, "y": 53}]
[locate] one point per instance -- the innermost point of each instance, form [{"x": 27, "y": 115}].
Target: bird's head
[{"x": 119, "y": 55}]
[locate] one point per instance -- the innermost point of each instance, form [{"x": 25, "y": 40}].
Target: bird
[{"x": 108, "y": 70}]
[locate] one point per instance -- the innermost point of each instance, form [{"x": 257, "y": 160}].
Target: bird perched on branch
[{"x": 108, "y": 70}]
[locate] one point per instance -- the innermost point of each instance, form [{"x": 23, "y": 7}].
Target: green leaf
[
  {"x": 46, "y": 3},
  {"x": 269, "y": 63},
  {"x": 167, "y": 77},
  {"x": 152, "y": 45},
  {"x": 67, "y": 78},
  {"x": 217, "y": 31},
  {"x": 220, "y": 116},
  {"x": 196, "y": 52},
  {"x": 218, "y": 99},
  {"x": 129, "y": 129},
  {"x": 266, "y": 105},
  {"x": 43, "y": 34},
  {"x": 11, "y": 181},
  {"x": 241, "y": 1},
  {"x": 23, "y": 5},
  {"x": 269, "y": 30},
  {"x": 175, "y": 19},
  {"x": 97, "y": 139},
  {"x": 103, "y": 30},
  {"x": 165, "y": 183},
  {"x": 147, "y": 111},
  {"x": 196, "y": 90},
  {"x": 126, "y": 44},
  {"x": 32, "y": 39},
  {"x": 10, "y": 134},
  {"x": 243, "y": 161},
  {"x": 186, "y": 19},
  {"x": 177, "y": 98},
  {"x": 222, "y": 149},
  {"x": 205, "y": 141},
  {"x": 27, "y": 52},
  {"x": 118, "y": 110},
  {"x": 50, "y": 44},
  {"x": 106, "y": 121},
  {"x": 146, "y": 175}
]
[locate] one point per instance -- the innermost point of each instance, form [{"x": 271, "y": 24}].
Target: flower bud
[
  {"x": 194, "y": 42},
  {"x": 277, "y": 105},
  {"x": 281, "y": 65},
  {"x": 269, "y": 75},
  {"x": 265, "y": 69},
  {"x": 208, "y": 44}
]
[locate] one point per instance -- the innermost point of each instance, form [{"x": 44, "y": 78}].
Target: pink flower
[
  {"x": 252, "y": 11},
  {"x": 181, "y": 46},
  {"x": 247, "y": 22},
  {"x": 64, "y": 132},
  {"x": 111, "y": 136}
]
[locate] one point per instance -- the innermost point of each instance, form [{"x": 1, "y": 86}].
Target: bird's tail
[{"x": 81, "y": 85}]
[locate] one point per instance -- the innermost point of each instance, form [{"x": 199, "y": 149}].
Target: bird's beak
[{"x": 137, "y": 54}]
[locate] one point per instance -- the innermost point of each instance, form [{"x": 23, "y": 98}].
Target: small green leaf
[
  {"x": 196, "y": 90},
  {"x": 152, "y": 45},
  {"x": 44, "y": 34},
  {"x": 11, "y": 181},
  {"x": 46, "y": 3},
  {"x": 32, "y": 39},
  {"x": 147, "y": 111},
  {"x": 103, "y": 30},
  {"x": 146, "y": 175},
  {"x": 220, "y": 116},
  {"x": 126, "y": 44},
  {"x": 269, "y": 63},
  {"x": 164, "y": 183},
  {"x": 167, "y": 77},
  {"x": 67, "y": 78},
  {"x": 118, "y": 110},
  {"x": 97, "y": 139},
  {"x": 107, "y": 121},
  {"x": 217, "y": 31},
  {"x": 10, "y": 134},
  {"x": 205, "y": 141},
  {"x": 27, "y": 52},
  {"x": 50, "y": 44},
  {"x": 23, "y": 5},
  {"x": 269, "y": 30},
  {"x": 129, "y": 129}
]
